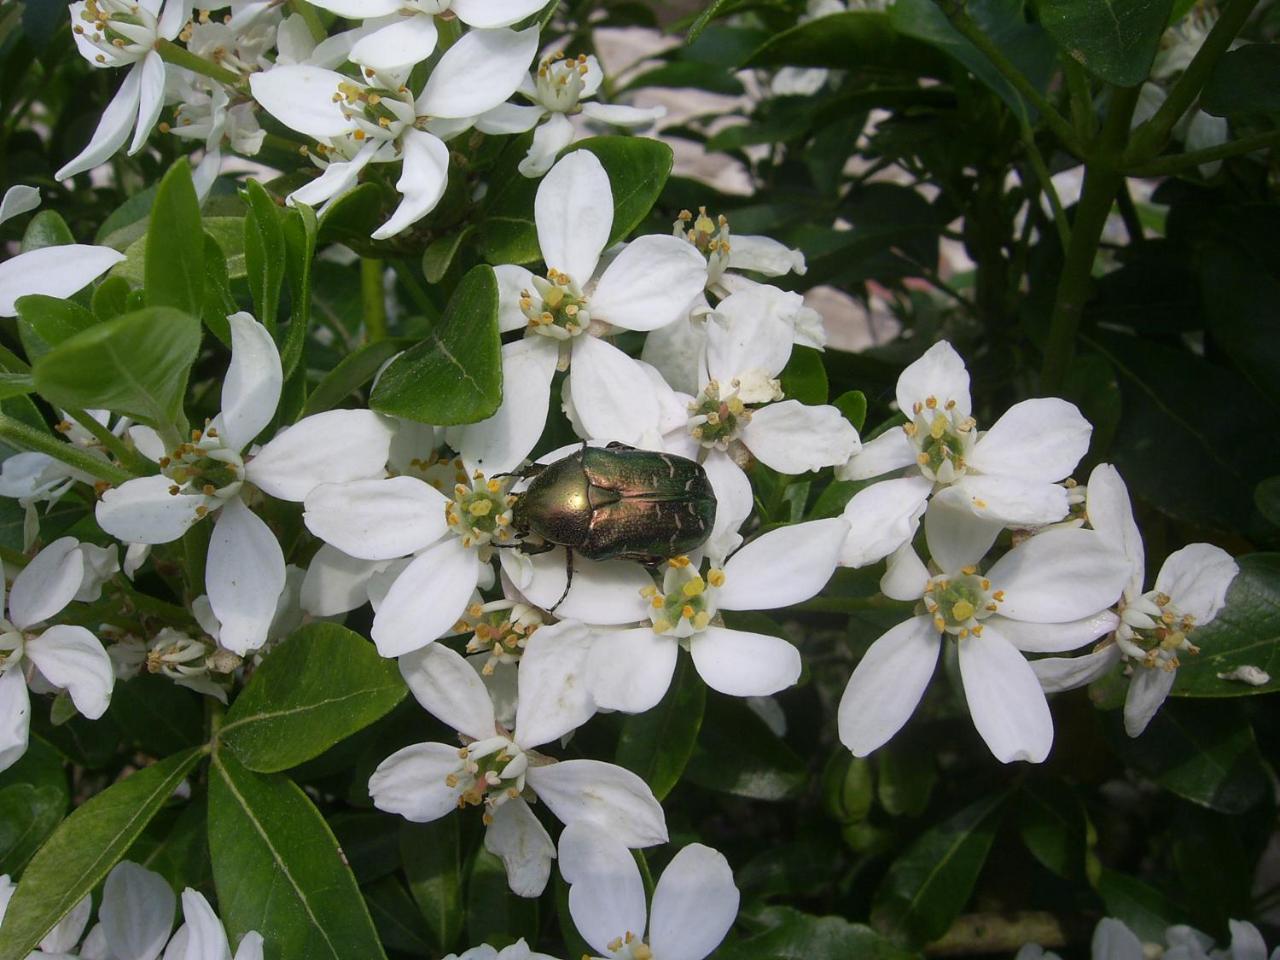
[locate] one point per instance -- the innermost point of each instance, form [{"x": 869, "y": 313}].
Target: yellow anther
[
  {"x": 998, "y": 596},
  {"x": 922, "y": 458},
  {"x": 939, "y": 623},
  {"x": 687, "y": 612},
  {"x": 969, "y": 571},
  {"x": 715, "y": 577},
  {"x": 694, "y": 587},
  {"x": 701, "y": 621},
  {"x": 931, "y": 402},
  {"x": 662, "y": 625},
  {"x": 678, "y": 562}
]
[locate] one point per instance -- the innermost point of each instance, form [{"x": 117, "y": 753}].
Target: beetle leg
[
  {"x": 531, "y": 549},
  {"x": 526, "y": 473},
  {"x": 618, "y": 445},
  {"x": 568, "y": 579}
]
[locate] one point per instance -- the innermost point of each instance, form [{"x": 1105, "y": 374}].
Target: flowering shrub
[{"x": 473, "y": 496}]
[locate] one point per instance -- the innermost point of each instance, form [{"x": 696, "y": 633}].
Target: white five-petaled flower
[
  {"x": 63, "y": 657},
  {"x": 119, "y": 33},
  {"x": 1048, "y": 594},
  {"x": 1155, "y": 627},
  {"x": 378, "y": 120},
  {"x": 694, "y": 903},
  {"x": 1009, "y": 475},
  {"x": 245, "y": 570},
  {"x": 57, "y": 271},
  {"x": 500, "y": 770},
  {"x": 516, "y": 951},
  {"x": 556, "y": 90}
]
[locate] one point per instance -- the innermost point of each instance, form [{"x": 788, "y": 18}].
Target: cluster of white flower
[{"x": 1112, "y": 940}]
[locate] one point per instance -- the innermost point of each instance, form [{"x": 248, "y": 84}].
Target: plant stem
[
  {"x": 1082, "y": 116},
  {"x": 29, "y": 438},
  {"x": 1166, "y": 166},
  {"x": 130, "y": 459},
  {"x": 311, "y": 17},
  {"x": 1046, "y": 185},
  {"x": 1132, "y": 222},
  {"x": 373, "y": 299},
  {"x": 1102, "y": 178},
  {"x": 1150, "y": 138},
  {"x": 170, "y": 52}
]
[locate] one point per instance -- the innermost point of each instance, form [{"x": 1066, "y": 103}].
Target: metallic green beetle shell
[{"x": 619, "y": 502}]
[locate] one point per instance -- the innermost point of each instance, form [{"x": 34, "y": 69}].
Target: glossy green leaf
[
  {"x": 46, "y": 229},
  {"x": 929, "y": 884},
  {"x": 441, "y": 254},
  {"x": 657, "y": 744},
  {"x": 318, "y": 687},
  {"x": 44, "y": 322},
  {"x": 905, "y": 778},
  {"x": 857, "y": 38},
  {"x": 352, "y": 372},
  {"x": 219, "y": 303},
  {"x": 28, "y": 814},
  {"x": 174, "y": 266},
  {"x": 805, "y": 378},
  {"x": 264, "y": 253},
  {"x": 278, "y": 869},
  {"x": 1246, "y": 632},
  {"x": 111, "y": 298},
  {"x": 1245, "y": 81},
  {"x": 1115, "y": 40},
  {"x": 494, "y": 915},
  {"x": 136, "y": 365},
  {"x": 1140, "y": 907},
  {"x": 455, "y": 374},
  {"x": 1054, "y": 827},
  {"x": 853, "y": 404},
  {"x": 157, "y": 715},
  {"x": 737, "y": 753},
  {"x": 848, "y": 786},
  {"x": 300, "y": 229},
  {"x": 792, "y": 935},
  {"x": 396, "y": 918},
  {"x": 83, "y": 849},
  {"x": 432, "y": 857}
]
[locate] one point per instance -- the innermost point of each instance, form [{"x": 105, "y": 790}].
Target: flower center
[
  {"x": 121, "y": 30},
  {"x": 715, "y": 419},
  {"x": 559, "y": 81},
  {"x": 1154, "y": 631},
  {"x": 629, "y": 947},
  {"x": 204, "y": 466},
  {"x": 557, "y": 308},
  {"x": 378, "y": 111},
  {"x": 686, "y": 602},
  {"x": 491, "y": 772},
  {"x": 942, "y": 437},
  {"x": 480, "y": 512},
  {"x": 500, "y": 628},
  {"x": 959, "y": 604},
  {"x": 176, "y": 655},
  {"x": 11, "y": 643},
  {"x": 711, "y": 237}
]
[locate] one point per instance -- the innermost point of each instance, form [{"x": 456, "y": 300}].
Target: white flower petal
[
  {"x": 72, "y": 659},
  {"x": 650, "y": 284},
  {"x": 1009, "y": 501},
  {"x": 427, "y": 598},
  {"x": 882, "y": 517},
  {"x": 548, "y": 140},
  {"x": 143, "y": 511},
  {"x": 112, "y": 130},
  {"x": 423, "y": 178},
  {"x": 1112, "y": 940},
  {"x": 251, "y": 390},
  {"x": 336, "y": 582},
  {"x": 956, "y": 536},
  {"x": 1111, "y": 515},
  {"x": 359, "y": 9},
  {"x": 612, "y": 395},
  {"x": 338, "y": 177},
  {"x": 1039, "y": 439},
  {"x": 251, "y": 946},
  {"x": 510, "y": 118},
  {"x": 1148, "y": 688},
  {"x": 487, "y": 14},
  {"x": 449, "y": 689},
  {"x": 1059, "y": 575},
  {"x": 15, "y": 720},
  {"x": 553, "y": 697},
  {"x": 734, "y": 501},
  {"x": 377, "y": 519},
  {"x": 905, "y": 576},
  {"x": 52, "y": 271},
  {"x": 515, "y": 835},
  {"x": 478, "y": 72},
  {"x": 411, "y": 782},
  {"x": 618, "y": 115},
  {"x": 150, "y": 98},
  {"x": 244, "y": 576},
  {"x": 1246, "y": 940},
  {"x": 602, "y": 794},
  {"x": 1055, "y": 637},
  {"x": 747, "y": 333},
  {"x": 1005, "y": 699},
  {"x": 1197, "y": 578},
  {"x": 573, "y": 210},
  {"x": 205, "y": 937},
  {"x": 939, "y": 373},
  {"x": 889, "y": 451},
  {"x": 18, "y": 199},
  {"x": 66, "y": 933},
  {"x": 1066, "y": 673},
  {"x": 784, "y": 566},
  {"x": 301, "y": 97},
  {"x": 743, "y": 664},
  {"x": 793, "y": 438},
  {"x": 404, "y": 42},
  {"x": 136, "y": 912},
  {"x": 606, "y": 893},
  {"x": 887, "y": 685},
  {"x": 694, "y": 904},
  {"x": 500, "y": 443},
  {"x": 676, "y": 351},
  {"x": 329, "y": 447},
  {"x": 764, "y": 255},
  {"x": 605, "y": 592},
  {"x": 630, "y": 670},
  {"x": 512, "y": 281},
  {"x": 46, "y": 584}
]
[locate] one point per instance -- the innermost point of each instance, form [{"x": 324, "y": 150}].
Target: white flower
[
  {"x": 516, "y": 951},
  {"x": 1006, "y": 476},
  {"x": 66, "y": 932},
  {"x": 694, "y": 903},
  {"x": 1154, "y": 627},
  {"x": 57, "y": 271},
  {"x": 501, "y": 771},
  {"x": 65, "y": 657},
  {"x": 1112, "y": 940},
  {"x": 1049, "y": 593},
  {"x": 556, "y": 91},
  {"x": 245, "y": 571},
  {"x": 118, "y": 33}
]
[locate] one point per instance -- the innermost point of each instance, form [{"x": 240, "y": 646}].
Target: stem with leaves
[{"x": 25, "y": 437}]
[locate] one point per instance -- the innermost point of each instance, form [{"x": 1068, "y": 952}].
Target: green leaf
[
  {"x": 657, "y": 745},
  {"x": 300, "y": 231},
  {"x": 928, "y": 885},
  {"x": 127, "y": 222},
  {"x": 847, "y": 786},
  {"x": 83, "y": 849},
  {"x": 396, "y": 917},
  {"x": 1266, "y": 497},
  {"x": 792, "y": 935},
  {"x": 737, "y": 753},
  {"x": 853, "y": 404},
  {"x": 264, "y": 253},
  {"x": 28, "y": 814},
  {"x": 318, "y": 687},
  {"x": 455, "y": 374},
  {"x": 1054, "y": 826},
  {"x": 1245, "y": 81},
  {"x": 905, "y": 779},
  {"x": 1204, "y": 752},
  {"x": 1141, "y": 908},
  {"x": 805, "y": 378},
  {"x": 174, "y": 271},
  {"x": 111, "y": 298},
  {"x": 352, "y": 372},
  {"x": 278, "y": 869},
  {"x": 136, "y": 365},
  {"x": 859, "y": 39},
  {"x": 44, "y": 322},
  {"x": 711, "y": 77},
  {"x": 157, "y": 715},
  {"x": 1246, "y": 632},
  {"x": 46, "y": 229},
  {"x": 219, "y": 303},
  {"x": 15, "y": 385},
  {"x": 432, "y": 857},
  {"x": 353, "y": 216},
  {"x": 441, "y": 253},
  {"x": 1115, "y": 40},
  {"x": 494, "y": 915}
]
